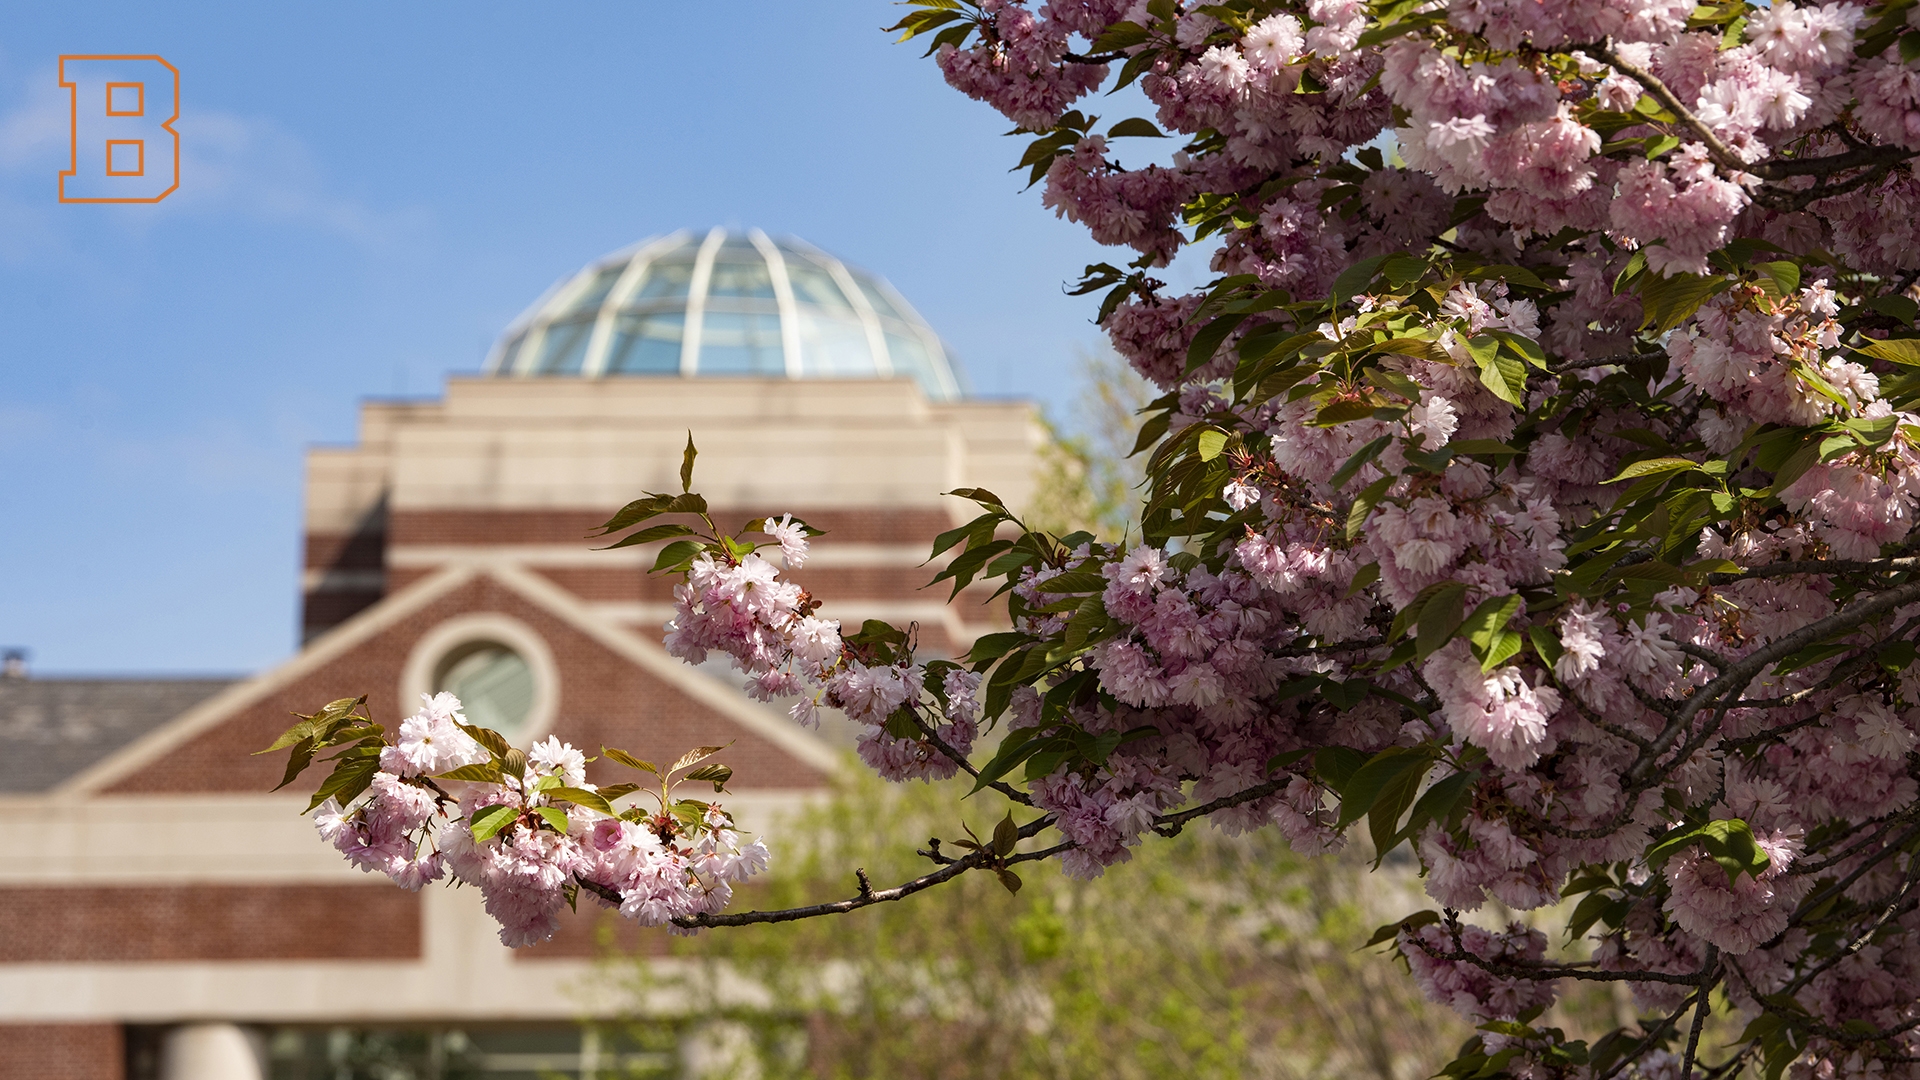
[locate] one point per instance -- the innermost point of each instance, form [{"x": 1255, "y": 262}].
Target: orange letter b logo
[{"x": 122, "y": 147}]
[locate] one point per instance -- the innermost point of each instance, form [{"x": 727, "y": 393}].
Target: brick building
[{"x": 170, "y": 918}]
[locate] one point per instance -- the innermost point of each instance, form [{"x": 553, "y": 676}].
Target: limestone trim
[
  {"x": 210, "y": 713},
  {"x": 491, "y": 626}
]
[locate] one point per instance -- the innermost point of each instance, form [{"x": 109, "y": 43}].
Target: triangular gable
[{"x": 646, "y": 655}]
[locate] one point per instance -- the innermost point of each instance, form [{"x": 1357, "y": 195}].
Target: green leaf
[
  {"x": 1017, "y": 747},
  {"x": 495, "y": 743},
  {"x": 677, "y": 556},
  {"x": 485, "y": 772},
  {"x": 1653, "y": 467},
  {"x": 1209, "y": 339},
  {"x": 1392, "y": 930},
  {"x": 310, "y": 726},
  {"x": 649, "y": 535},
  {"x": 487, "y": 821},
  {"x": 1487, "y": 631},
  {"x": 1444, "y": 801},
  {"x": 1335, "y": 765},
  {"x": 1900, "y": 307},
  {"x": 1784, "y": 276},
  {"x": 1903, "y": 351},
  {"x": 980, "y": 495},
  {"x": 1005, "y": 836},
  {"x": 1728, "y": 841},
  {"x": 1135, "y": 126},
  {"x": 1667, "y": 302},
  {"x": 695, "y": 756},
  {"x": 1359, "y": 459},
  {"x": 1364, "y": 503},
  {"x": 1439, "y": 618},
  {"x": 1514, "y": 275},
  {"x": 553, "y": 816},
  {"x": 1355, "y": 279},
  {"x": 1525, "y": 348},
  {"x": 629, "y": 760},
  {"x": 581, "y": 797},
  {"x": 717, "y": 775},
  {"x": 1396, "y": 791},
  {"x": 686, "y": 465},
  {"x": 297, "y": 762},
  {"x": 1502, "y": 374}
]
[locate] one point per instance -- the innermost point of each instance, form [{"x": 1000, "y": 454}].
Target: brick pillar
[{"x": 62, "y": 1052}]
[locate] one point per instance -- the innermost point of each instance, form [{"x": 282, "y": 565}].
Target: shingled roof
[{"x": 50, "y": 729}]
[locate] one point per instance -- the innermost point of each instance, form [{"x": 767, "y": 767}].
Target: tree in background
[
  {"x": 1089, "y": 478},
  {"x": 1208, "y": 956}
]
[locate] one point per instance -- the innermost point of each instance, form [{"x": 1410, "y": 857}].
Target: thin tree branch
[
  {"x": 953, "y": 868},
  {"x": 1720, "y": 151},
  {"x": 1702, "y": 997},
  {"x": 960, "y": 759},
  {"x": 869, "y": 896}
]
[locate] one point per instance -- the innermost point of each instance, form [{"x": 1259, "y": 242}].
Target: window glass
[
  {"x": 878, "y": 298},
  {"x": 738, "y": 343},
  {"x": 493, "y": 683},
  {"x": 666, "y": 278},
  {"x": 910, "y": 358},
  {"x": 565, "y": 346},
  {"x": 740, "y": 274},
  {"x": 509, "y": 354},
  {"x": 813, "y": 285},
  {"x": 646, "y": 344},
  {"x": 833, "y": 346},
  {"x": 597, "y": 289}
]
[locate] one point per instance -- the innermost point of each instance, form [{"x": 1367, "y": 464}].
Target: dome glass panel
[
  {"x": 646, "y": 344},
  {"x": 565, "y": 347},
  {"x": 814, "y": 285},
  {"x": 733, "y": 343},
  {"x": 666, "y": 280},
  {"x": 725, "y": 303},
  {"x": 597, "y": 290}
]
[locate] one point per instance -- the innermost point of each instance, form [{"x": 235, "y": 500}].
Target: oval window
[{"x": 493, "y": 683}]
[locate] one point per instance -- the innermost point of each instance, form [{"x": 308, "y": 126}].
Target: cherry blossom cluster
[
  {"x": 740, "y": 608},
  {"x": 441, "y": 803},
  {"x": 1535, "y": 482}
]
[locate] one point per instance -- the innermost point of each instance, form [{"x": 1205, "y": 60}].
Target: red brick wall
[
  {"x": 604, "y": 700},
  {"x": 75, "y": 924},
  {"x": 62, "y": 1052}
]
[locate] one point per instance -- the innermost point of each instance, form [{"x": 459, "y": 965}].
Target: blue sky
[{"x": 369, "y": 192}]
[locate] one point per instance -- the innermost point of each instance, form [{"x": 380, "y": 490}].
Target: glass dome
[{"x": 725, "y": 303}]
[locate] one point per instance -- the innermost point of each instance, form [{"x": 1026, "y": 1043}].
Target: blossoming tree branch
[{"x": 1535, "y": 484}]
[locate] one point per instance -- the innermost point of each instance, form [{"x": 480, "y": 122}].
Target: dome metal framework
[{"x": 725, "y": 303}]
